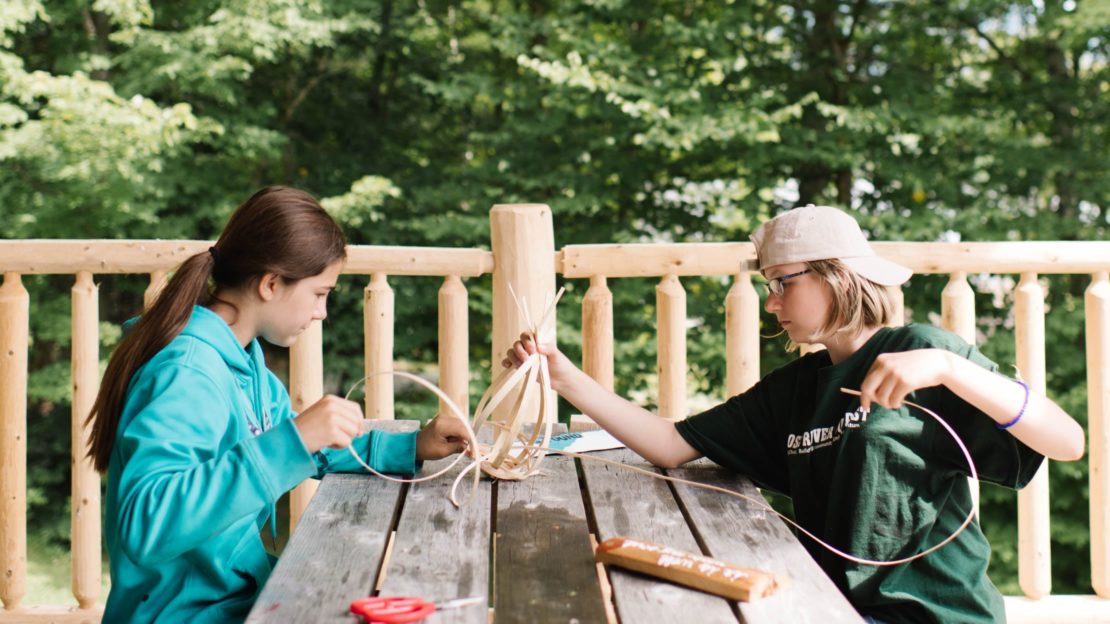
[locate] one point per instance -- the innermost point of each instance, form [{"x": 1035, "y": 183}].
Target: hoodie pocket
[
  {"x": 248, "y": 568},
  {"x": 250, "y": 561}
]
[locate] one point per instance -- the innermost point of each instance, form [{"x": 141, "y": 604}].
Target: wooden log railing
[{"x": 523, "y": 257}]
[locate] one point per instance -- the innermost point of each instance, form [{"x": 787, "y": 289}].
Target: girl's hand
[
  {"x": 331, "y": 422},
  {"x": 895, "y": 375},
  {"x": 558, "y": 364},
  {"x": 442, "y": 436}
]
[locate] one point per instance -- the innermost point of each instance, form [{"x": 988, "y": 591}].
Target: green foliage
[{"x": 635, "y": 121}]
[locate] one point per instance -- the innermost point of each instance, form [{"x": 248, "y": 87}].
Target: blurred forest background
[{"x": 635, "y": 120}]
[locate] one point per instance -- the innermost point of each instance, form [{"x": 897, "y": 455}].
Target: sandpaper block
[{"x": 694, "y": 571}]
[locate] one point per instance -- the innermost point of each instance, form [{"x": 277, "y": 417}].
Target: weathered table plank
[
  {"x": 634, "y": 505},
  {"x": 543, "y": 539},
  {"x": 318, "y": 576},
  {"x": 440, "y": 552},
  {"x": 743, "y": 533}
]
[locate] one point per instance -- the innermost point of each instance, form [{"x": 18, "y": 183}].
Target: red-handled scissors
[{"x": 397, "y": 609}]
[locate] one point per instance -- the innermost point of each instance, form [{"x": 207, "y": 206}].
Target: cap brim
[{"x": 879, "y": 270}]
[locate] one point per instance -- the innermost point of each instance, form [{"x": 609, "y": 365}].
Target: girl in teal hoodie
[{"x": 198, "y": 437}]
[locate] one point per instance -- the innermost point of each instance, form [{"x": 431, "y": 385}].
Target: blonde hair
[{"x": 857, "y": 302}]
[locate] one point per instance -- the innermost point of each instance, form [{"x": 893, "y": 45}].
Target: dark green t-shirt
[{"x": 882, "y": 486}]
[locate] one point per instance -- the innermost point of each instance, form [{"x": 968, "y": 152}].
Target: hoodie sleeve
[
  {"x": 176, "y": 488},
  {"x": 384, "y": 451}
]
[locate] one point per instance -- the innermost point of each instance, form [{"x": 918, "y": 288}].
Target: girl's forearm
[
  {"x": 1043, "y": 426},
  {"x": 654, "y": 438}
]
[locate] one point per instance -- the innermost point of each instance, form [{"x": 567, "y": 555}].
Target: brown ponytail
[{"x": 278, "y": 230}]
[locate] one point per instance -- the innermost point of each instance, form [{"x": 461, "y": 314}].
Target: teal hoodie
[{"x": 206, "y": 445}]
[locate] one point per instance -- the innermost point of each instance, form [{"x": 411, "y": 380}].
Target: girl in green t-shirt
[{"x": 865, "y": 473}]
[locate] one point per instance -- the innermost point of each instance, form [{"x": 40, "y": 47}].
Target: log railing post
[
  {"x": 1034, "y": 550},
  {"x": 1098, "y": 428},
  {"x": 523, "y": 244},
  {"x": 85, "y": 489},
  {"x": 454, "y": 344},
  {"x": 379, "y": 347},
  {"x": 15, "y": 330},
  {"x": 957, "y": 314},
  {"x": 670, "y": 303},
  {"x": 899, "y": 299},
  {"x": 741, "y": 335},
  {"x": 158, "y": 280},
  {"x": 306, "y": 386},
  {"x": 597, "y": 332},
  {"x": 957, "y": 307}
]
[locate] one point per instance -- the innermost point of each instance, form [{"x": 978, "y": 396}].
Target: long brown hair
[{"x": 279, "y": 230}]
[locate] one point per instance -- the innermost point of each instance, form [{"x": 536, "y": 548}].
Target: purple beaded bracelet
[{"x": 1024, "y": 404}]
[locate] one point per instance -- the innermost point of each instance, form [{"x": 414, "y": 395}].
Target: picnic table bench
[{"x": 526, "y": 547}]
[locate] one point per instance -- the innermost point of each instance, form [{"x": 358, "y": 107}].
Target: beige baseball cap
[{"x": 823, "y": 233}]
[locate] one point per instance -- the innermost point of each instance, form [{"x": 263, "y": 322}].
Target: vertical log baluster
[
  {"x": 597, "y": 342},
  {"x": 454, "y": 344},
  {"x": 158, "y": 281},
  {"x": 85, "y": 489},
  {"x": 899, "y": 298},
  {"x": 957, "y": 307},
  {"x": 1098, "y": 428},
  {"x": 306, "y": 386},
  {"x": 670, "y": 301},
  {"x": 15, "y": 331},
  {"x": 597, "y": 332},
  {"x": 379, "y": 347},
  {"x": 957, "y": 314},
  {"x": 741, "y": 335},
  {"x": 1034, "y": 552}
]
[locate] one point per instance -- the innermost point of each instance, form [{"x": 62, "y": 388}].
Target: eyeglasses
[{"x": 777, "y": 286}]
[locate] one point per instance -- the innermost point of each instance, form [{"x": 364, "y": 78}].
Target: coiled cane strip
[{"x": 495, "y": 459}]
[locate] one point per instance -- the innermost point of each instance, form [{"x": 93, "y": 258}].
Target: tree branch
[
  {"x": 1005, "y": 58},
  {"x": 321, "y": 73}
]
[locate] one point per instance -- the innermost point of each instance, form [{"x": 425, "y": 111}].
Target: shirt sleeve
[
  {"x": 999, "y": 457},
  {"x": 740, "y": 435}
]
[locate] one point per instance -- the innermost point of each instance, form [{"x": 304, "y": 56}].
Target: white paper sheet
[{"x": 581, "y": 442}]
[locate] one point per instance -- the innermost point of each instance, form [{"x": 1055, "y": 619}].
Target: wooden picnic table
[{"x": 526, "y": 548}]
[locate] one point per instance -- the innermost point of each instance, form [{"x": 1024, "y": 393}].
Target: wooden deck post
[
  {"x": 597, "y": 332},
  {"x": 378, "y": 333},
  {"x": 158, "y": 281},
  {"x": 15, "y": 328},
  {"x": 1098, "y": 425},
  {"x": 454, "y": 344},
  {"x": 670, "y": 306},
  {"x": 899, "y": 298},
  {"x": 523, "y": 243},
  {"x": 957, "y": 307},
  {"x": 741, "y": 335},
  {"x": 306, "y": 386},
  {"x": 1034, "y": 550},
  {"x": 957, "y": 314},
  {"x": 85, "y": 490}
]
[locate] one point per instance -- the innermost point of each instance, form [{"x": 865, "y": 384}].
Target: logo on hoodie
[{"x": 253, "y": 428}]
